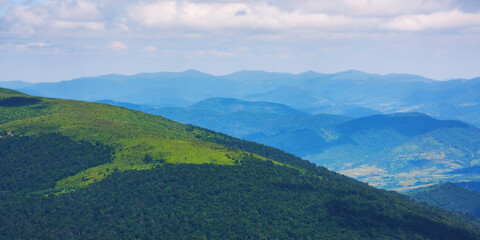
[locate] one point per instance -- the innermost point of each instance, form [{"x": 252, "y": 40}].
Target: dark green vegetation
[
  {"x": 351, "y": 93},
  {"x": 449, "y": 196},
  {"x": 254, "y": 200},
  {"x": 37, "y": 163},
  {"x": 18, "y": 101},
  {"x": 114, "y": 173}
]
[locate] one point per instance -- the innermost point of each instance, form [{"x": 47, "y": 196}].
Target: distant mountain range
[{"x": 350, "y": 93}]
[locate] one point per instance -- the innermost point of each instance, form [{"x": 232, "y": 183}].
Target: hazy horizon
[
  {"x": 229, "y": 73},
  {"x": 54, "y": 40}
]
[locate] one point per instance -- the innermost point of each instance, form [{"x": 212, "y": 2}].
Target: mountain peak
[
  {"x": 256, "y": 75},
  {"x": 232, "y": 105},
  {"x": 311, "y": 74},
  {"x": 195, "y": 73},
  {"x": 192, "y": 71},
  {"x": 353, "y": 75},
  {"x": 352, "y": 71},
  {"x": 408, "y": 124}
]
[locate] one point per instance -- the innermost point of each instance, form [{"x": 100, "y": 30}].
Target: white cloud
[
  {"x": 437, "y": 20},
  {"x": 210, "y": 16},
  {"x": 74, "y": 10},
  {"x": 117, "y": 46},
  {"x": 27, "y": 15},
  {"x": 72, "y": 25},
  {"x": 213, "y": 52},
  {"x": 151, "y": 49},
  {"x": 375, "y": 8},
  {"x": 152, "y": 14},
  {"x": 55, "y": 15},
  {"x": 37, "y": 44},
  {"x": 123, "y": 27},
  {"x": 336, "y": 16},
  {"x": 264, "y": 19}
]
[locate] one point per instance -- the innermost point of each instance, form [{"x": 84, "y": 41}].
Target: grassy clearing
[{"x": 131, "y": 134}]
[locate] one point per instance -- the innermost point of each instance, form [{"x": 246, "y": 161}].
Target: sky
[{"x": 54, "y": 40}]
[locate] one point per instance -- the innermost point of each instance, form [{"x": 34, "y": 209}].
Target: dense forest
[
  {"x": 35, "y": 163},
  {"x": 450, "y": 196},
  {"x": 253, "y": 200}
]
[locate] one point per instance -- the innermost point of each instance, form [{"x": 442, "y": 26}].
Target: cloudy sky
[{"x": 52, "y": 40}]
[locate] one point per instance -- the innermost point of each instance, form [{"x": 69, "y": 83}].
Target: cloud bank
[{"x": 246, "y": 18}]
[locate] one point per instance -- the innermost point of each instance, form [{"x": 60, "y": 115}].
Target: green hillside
[
  {"x": 77, "y": 170},
  {"x": 449, "y": 196},
  {"x": 129, "y": 135}
]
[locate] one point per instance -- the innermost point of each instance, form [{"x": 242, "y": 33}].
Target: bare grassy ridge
[{"x": 132, "y": 135}]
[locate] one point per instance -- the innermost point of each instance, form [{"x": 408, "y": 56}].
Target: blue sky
[{"x": 57, "y": 40}]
